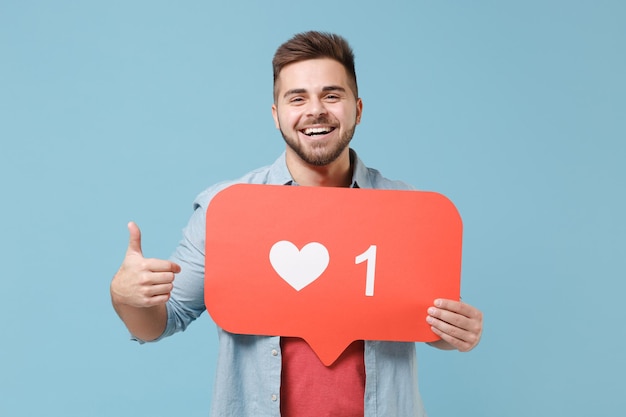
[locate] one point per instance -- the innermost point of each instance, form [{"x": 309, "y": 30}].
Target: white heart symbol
[{"x": 299, "y": 268}]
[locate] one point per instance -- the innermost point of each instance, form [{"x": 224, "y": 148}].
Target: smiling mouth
[{"x": 317, "y": 131}]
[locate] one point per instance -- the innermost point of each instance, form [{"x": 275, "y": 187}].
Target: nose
[{"x": 316, "y": 107}]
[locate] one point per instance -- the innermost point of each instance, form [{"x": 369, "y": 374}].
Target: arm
[
  {"x": 459, "y": 325},
  {"x": 140, "y": 289}
]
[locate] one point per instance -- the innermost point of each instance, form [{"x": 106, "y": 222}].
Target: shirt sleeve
[
  {"x": 186, "y": 302},
  {"x": 187, "y": 298}
]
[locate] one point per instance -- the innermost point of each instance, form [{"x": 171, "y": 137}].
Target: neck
[{"x": 336, "y": 174}]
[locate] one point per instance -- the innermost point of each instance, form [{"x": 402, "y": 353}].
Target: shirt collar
[
  {"x": 360, "y": 173},
  {"x": 279, "y": 173}
]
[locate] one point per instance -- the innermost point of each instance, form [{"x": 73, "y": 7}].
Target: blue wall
[{"x": 116, "y": 111}]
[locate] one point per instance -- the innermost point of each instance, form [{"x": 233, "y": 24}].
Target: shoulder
[
  {"x": 378, "y": 181},
  {"x": 366, "y": 177},
  {"x": 261, "y": 175}
]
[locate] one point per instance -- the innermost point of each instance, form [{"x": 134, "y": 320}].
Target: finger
[
  {"x": 148, "y": 279},
  {"x": 447, "y": 328},
  {"x": 461, "y": 332},
  {"x": 161, "y": 265},
  {"x": 469, "y": 319},
  {"x": 158, "y": 290},
  {"x": 452, "y": 318},
  {"x": 154, "y": 286},
  {"x": 458, "y": 307},
  {"x": 461, "y": 339},
  {"x": 459, "y": 344},
  {"x": 156, "y": 300},
  {"x": 134, "y": 241}
]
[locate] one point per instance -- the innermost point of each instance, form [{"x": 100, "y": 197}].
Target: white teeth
[{"x": 316, "y": 130}]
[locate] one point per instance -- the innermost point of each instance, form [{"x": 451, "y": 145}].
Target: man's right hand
[{"x": 142, "y": 282}]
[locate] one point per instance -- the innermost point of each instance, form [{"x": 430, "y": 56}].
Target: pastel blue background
[{"x": 125, "y": 110}]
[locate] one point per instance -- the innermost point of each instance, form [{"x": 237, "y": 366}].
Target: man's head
[
  {"x": 316, "y": 105},
  {"x": 315, "y": 45}
]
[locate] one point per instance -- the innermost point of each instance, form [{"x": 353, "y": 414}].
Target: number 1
[{"x": 370, "y": 256}]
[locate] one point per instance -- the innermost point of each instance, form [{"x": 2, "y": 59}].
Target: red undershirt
[{"x": 311, "y": 389}]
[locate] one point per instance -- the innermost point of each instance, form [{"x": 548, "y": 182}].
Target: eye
[
  {"x": 296, "y": 100},
  {"x": 332, "y": 98}
]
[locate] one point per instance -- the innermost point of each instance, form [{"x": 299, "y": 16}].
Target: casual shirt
[
  {"x": 311, "y": 389},
  {"x": 248, "y": 374}
]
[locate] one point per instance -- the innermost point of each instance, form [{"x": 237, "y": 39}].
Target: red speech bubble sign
[{"x": 330, "y": 265}]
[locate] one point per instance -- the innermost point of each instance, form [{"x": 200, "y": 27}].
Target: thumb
[{"x": 134, "y": 242}]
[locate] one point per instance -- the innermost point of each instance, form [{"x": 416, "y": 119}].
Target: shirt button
[
  {"x": 274, "y": 397},
  {"x": 274, "y": 352}
]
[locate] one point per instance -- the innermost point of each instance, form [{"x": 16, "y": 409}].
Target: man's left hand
[{"x": 459, "y": 325}]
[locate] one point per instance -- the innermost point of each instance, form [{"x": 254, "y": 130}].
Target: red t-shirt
[{"x": 311, "y": 389}]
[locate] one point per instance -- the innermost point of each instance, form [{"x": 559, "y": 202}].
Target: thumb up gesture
[{"x": 142, "y": 282}]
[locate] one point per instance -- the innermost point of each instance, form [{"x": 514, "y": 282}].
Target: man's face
[{"x": 316, "y": 110}]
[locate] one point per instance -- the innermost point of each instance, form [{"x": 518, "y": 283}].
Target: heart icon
[{"x": 299, "y": 268}]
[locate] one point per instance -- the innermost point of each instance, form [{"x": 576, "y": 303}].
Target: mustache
[{"x": 321, "y": 120}]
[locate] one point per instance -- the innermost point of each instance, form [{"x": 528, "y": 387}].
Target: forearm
[{"x": 145, "y": 323}]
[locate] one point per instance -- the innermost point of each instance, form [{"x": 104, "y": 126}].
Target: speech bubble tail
[{"x": 327, "y": 349}]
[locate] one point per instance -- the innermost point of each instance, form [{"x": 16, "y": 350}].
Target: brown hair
[{"x": 314, "y": 45}]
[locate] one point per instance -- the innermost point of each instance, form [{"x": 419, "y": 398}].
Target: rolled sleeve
[{"x": 187, "y": 299}]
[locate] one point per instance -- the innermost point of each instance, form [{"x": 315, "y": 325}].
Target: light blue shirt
[{"x": 249, "y": 367}]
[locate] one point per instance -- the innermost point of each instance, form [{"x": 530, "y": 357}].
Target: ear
[
  {"x": 275, "y": 116},
  {"x": 359, "y": 110}
]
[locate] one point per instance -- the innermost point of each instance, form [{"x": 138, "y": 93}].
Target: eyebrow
[{"x": 324, "y": 89}]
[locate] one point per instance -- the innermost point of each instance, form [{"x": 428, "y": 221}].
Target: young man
[{"x": 316, "y": 108}]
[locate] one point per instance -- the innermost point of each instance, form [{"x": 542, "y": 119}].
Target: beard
[{"x": 319, "y": 154}]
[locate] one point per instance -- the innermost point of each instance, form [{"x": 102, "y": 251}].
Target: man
[{"x": 316, "y": 108}]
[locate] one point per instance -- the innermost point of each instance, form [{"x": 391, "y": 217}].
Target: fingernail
[
  {"x": 438, "y": 302},
  {"x": 432, "y": 311}
]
